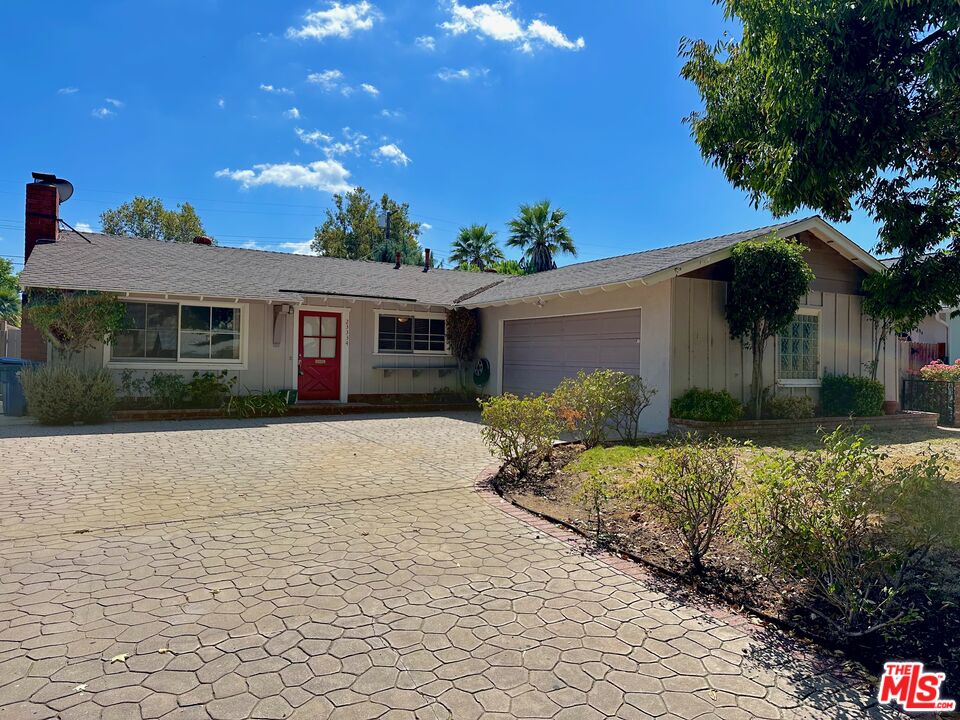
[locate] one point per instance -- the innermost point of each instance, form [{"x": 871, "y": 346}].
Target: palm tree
[
  {"x": 540, "y": 233},
  {"x": 475, "y": 246}
]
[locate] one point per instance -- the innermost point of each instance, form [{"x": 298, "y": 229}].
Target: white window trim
[
  {"x": 803, "y": 382},
  {"x": 186, "y": 363},
  {"x": 414, "y": 353}
]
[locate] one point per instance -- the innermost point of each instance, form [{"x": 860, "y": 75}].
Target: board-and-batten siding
[{"x": 704, "y": 355}]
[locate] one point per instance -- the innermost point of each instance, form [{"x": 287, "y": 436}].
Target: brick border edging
[
  {"x": 292, "y": 411},
  {"x": 903, "y": 419},
  {"x": 842, "y": 668}
]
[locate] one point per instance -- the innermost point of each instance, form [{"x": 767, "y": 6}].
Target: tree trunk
[{"x": 756, "y": 384}]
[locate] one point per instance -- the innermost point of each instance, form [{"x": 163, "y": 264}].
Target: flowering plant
[{"x": 941, "y": 371}]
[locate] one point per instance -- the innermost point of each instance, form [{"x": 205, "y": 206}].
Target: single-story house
[{"x": 341, "y": 330}]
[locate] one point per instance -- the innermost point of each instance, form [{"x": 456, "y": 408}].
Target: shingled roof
[
  {"x": 92, "y": 261},
  {"x": 615, "y": 270},
  {"x": 128, "y": 264}
]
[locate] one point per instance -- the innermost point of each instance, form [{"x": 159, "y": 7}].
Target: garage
[{"x": 540, "y": 352}]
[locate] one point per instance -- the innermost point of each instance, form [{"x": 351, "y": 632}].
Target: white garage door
[{"x": 539, "y": 353}]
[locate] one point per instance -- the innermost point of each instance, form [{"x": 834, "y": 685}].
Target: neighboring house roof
[{"x": 125, "y": 264}]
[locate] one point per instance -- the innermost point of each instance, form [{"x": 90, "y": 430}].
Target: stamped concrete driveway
[{"x": 342, "y": 568}]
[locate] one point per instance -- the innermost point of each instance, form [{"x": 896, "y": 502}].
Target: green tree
[
  {"x": 831, "y": 104},
  {"x": 9, "y": 293},
  {"x": 351, "y": 230},
  {"x": 148, "y": 218},
  {"x": 540, "y": 233},
  {"x": 76, "y": 321},
  {"x": 475, "y": 245},
  {"x": 770, "y": 277}
]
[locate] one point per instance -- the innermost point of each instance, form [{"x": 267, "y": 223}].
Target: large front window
[
  {"x": 169, "y": 332},
  {"x": 411, "y": 334},
  {"x": 799, "y": 351}
]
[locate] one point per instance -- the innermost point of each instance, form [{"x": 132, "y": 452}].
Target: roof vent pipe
[
  {"x": 202, "y": 240},
  {"x": 426, "y": 259},
  {"x": 397, "y": 266}
]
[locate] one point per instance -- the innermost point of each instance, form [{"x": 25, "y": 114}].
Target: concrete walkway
[{"x": 343, "y": 568}]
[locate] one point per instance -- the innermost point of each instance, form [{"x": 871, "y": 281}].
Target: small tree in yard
[
  {"x": 596, "y": 490},
  {"x": 689, "y": 489},
  {"x": 74, "y": 322},
  {"x": 770, "y": 277}
]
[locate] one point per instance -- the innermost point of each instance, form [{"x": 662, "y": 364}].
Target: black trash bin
[{"x": 14, "y": 401}]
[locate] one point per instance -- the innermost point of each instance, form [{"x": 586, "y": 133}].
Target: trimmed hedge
[
  {"x": 707, "y": 405},
  {"x": 851, "y": 396}
]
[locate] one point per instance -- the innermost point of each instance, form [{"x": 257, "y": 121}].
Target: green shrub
[
  {"x": 585, "y": 404},
  {"x": 707, "y": 405},
  {"x": 847, "y": 395},
  {"x": 58, "y": 395},
  {"x": 854, "y": 537},
  {"x": 168, "y": 390},
  {"x": 210, "y": 389},
  {"x": 790, "y": 407},
  {"x": 519, "y": 430},
  {"x": 258, "y": 405},
  {"x": 591, "y": 405},
  {"x": 689, "y": 489}
]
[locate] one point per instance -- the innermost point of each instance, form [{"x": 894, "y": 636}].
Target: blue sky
[{"x": 255, "y": 112}]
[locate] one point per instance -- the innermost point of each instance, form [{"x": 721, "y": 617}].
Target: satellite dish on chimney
[{"x": 64, "y": 187}]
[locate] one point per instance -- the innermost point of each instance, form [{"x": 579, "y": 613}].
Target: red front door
[{"x": 319, "y": 358}]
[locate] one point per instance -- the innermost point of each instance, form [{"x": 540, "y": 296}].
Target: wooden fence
[{"x": 9, "y": 340}]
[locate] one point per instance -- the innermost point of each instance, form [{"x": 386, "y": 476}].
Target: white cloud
[
  {"x": 448, "y": 74},
  {"x": 84, "y": 227},
  {"x": 336, "y": 21},
  {"x": 329, "y": 80},
  {"x": 426, "y": 42},
  {"x": 322, "y": 175},
  {"x": 221, "y": 103},
  {"x": 550, "y": 35},
  {"x": 113, "y": 101},
  {"x": 392, "y": 153},
  {"x": 497, "y": 22},
  {"x": 369, "y": 89},
  {"x": 102, "y": 113},
  {"x": 351, "y": 144},
  {"x": 426, "y": 226},
  {"x": 67, "y": 91},
  {"x": 391, "y": 114},
  {"x": 313, "y": 137},
  {"x": 275, "y": 90},
  {"x": 292, "y": 114},
  {"x": 298, "y": 248}
]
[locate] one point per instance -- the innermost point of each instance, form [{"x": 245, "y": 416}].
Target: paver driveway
[{"x": 335, "y": 569}]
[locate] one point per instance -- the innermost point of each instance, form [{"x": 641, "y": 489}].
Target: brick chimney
[
  {"x": 40, "y": 226},
  {"x": 426, "y": 259},
  {"x": 43, "y": 212},
  {"x": 202, "y": 240}
]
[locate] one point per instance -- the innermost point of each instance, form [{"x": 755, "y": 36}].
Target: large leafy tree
[
  {"x": 770, "y": 277},
  {"x": 538, "y": 230},
  {"x": 351, "y": 230},
  {"x": 832, "y": 104},
  {"x": 476, "y": 246},
  {"x": 148, "y": 218},
  {"x": 9, "y": 293}
]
